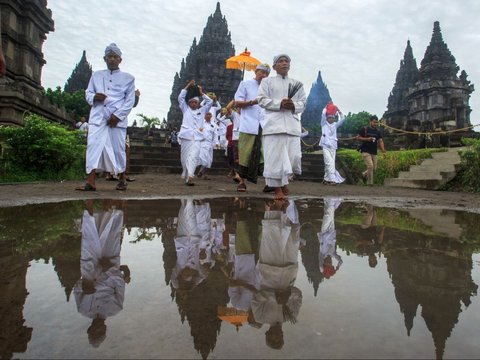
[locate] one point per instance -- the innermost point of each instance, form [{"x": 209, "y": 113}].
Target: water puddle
[{"x": 237, "y": 278}]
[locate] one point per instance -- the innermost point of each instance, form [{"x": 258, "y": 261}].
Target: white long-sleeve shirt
[
  {"x": 192, "y": 119},
  {"x": 119, "y": 87},
  {"x": 270, "y": 95},
  {"x": 251, "y": 116},
  {"x": 329, "y": 131}
]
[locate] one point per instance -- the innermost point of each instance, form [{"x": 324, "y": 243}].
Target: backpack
[{"x": 360, "y": 145}]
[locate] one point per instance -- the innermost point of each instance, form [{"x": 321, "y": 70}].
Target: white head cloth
[
  {"x": 264, "y": 67},
  {"x": 194, "y": 98},
  {"x": 276, "y": 58},
  {"x": 113, "y": 48}
]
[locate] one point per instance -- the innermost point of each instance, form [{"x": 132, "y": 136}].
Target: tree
[
  {"x": 148, "y": 122},
  {"x": 74, "y": 103},
  {"x": 354, "y": 122}
]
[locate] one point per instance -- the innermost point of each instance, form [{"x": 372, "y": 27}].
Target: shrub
[
  {"x": 469, "y": 173},
  {"x": 42, "y": 150},
  {"x": 389, "y": 164}
]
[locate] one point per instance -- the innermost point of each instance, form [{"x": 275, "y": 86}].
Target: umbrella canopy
[
  {"x": 233, "y": 316},
  {"x": 243, "y": 62}
]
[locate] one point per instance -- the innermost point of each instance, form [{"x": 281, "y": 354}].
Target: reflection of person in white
[
  {"x": 100, "y": 292},
  {"x": 277, "y": 299},
  {"x": 193, "y": 225},
  {"x": 328, "y": 239},
  {"x": 328, "y": 142}
]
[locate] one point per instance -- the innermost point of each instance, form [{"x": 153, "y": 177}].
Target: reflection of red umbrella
[
  {"x": 243, "y": 62},
  {"x": 233, "y": 316}
]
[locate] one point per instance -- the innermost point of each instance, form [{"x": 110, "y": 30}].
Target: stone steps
[
  {"x": 431, "y": 174},
  {"x": 159, "y": 157}
]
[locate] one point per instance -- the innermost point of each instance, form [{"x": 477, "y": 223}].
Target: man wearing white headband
[
  {"x": 111, "y": 95},
  {"x": 191, "y": 131},
  {"x": 283, "y": 99},
  {"x": 251, "y": 115}
]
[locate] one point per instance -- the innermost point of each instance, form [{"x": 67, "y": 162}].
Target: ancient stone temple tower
[
  {"x": 80, "y": 75},
  {"x": 432, "y": 99},
  {"x": 407, "y": 76},
  {"x": 205, "y": 63},
  {"x": 24, "y": 25},
  {"x": 317, "y": 99}
]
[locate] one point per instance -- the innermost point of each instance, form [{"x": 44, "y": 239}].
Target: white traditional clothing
[
  {"x": 101, "y": 238},
  {"x": 250, "y": 116},
  {"x": 191, "y": 133},
  {"x": 191, "y": 217},
  {"x": 277, "y": 267},
  {"x": 281, "y": 129},
  {"x": 329, "y": 145},
  {"x": 221, "y": 139},
  {"x": 105, "y": 144},
  {"x": 328, "y": 235},
  {"x": 205, "y": 157}
]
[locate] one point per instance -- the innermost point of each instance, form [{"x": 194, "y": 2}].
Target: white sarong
[
  {"x": 331, "y": 174},
  {"x": 189, "y": 157},
  {"x": 283, "y": 157},
  {"x": 106, "y": 149}
]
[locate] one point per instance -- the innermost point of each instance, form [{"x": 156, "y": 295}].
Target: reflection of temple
[
  {"x": 14, "y": 335},
  {"x": 309, "y": 254},
  {"x": 199, "y": 307},
  {"x": 431, "y": 98},
  {"x": 434, "y": 274}
]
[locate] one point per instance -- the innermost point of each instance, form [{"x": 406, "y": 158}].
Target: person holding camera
[{"x": 371, "y": 139}]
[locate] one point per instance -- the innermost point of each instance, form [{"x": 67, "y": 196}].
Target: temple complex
[
  {"x": 24, "y": 25},
  {"x": 205, "y": 63},
  {"x": 430, "y": 99}
]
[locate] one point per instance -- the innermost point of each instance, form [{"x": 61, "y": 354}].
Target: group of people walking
[
  {"x": 261, "y": 125},
  {"x": 265, "y": 128}
]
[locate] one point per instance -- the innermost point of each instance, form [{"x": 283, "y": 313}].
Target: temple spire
[{"x": 438, "y": 63}]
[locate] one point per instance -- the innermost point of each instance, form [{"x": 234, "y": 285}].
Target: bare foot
[{"x": 279, "y": 195}]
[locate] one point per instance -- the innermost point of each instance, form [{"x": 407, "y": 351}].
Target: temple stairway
[
  {"x": 155, "y": 156},
  {"x": 431, "y": 174}
]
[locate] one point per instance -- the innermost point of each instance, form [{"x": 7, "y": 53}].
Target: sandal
[
  {"x": 86, "y": 187},
  {"x": 268, "y": 189},
  {"x": 190, "y": 182},
  {"x": 122, "y": 186},
  {"x": 242, "y": 188}
]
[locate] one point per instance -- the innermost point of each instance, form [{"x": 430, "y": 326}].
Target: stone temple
[
  {"x": 430, "y": 99},
  {"x": 24, "y": 25},
  {"x": 205, "y": 63}
]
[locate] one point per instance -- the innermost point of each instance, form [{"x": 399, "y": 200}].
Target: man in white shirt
[
  {"x": 283, "y": 99},
  {"x": 111, "y": 95},
  {"x": 249, "y": 142}
]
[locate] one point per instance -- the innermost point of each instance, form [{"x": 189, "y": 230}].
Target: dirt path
[{"x": 155, "y": 186}]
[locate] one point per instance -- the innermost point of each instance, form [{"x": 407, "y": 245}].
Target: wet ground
[{"x": 239, "y": 277}]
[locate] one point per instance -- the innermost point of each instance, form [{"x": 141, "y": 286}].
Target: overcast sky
[{"x": 356, "y": 44}]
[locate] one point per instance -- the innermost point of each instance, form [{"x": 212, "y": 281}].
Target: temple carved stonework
[
  {"x": 205, "y": 63},
  {"x": 431, "y": 99},
  {"x": 24, "y": 25}
]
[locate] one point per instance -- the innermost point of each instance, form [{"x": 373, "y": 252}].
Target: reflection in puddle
[{"x": 237, "y": 278}]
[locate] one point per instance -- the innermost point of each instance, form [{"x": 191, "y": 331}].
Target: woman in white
[
  {"x": 328, "y": 142},
  {"x": 205, "y": 157},
  {"x": 191, "y": 131}
]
